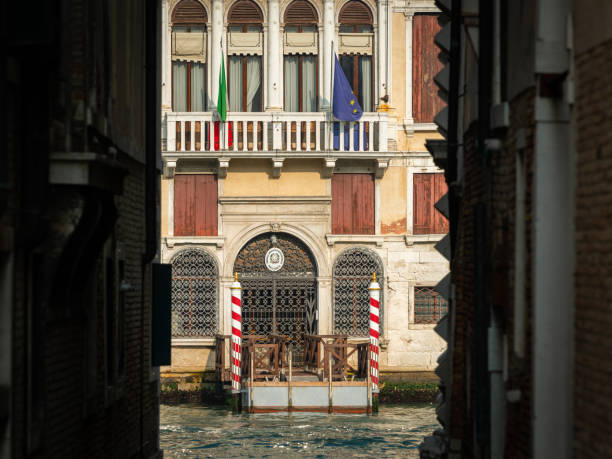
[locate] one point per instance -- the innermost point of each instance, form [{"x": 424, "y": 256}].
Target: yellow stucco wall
[
  {"x": 393, "y": 201},
  {"x": 299, "y": 177},
  {"x": 164, "y": 207}
]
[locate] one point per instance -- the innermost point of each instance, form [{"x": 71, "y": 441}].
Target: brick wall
[{"x": 593, "y": 305}]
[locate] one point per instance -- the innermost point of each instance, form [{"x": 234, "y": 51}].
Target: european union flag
[{"x": 345, "y": 105}]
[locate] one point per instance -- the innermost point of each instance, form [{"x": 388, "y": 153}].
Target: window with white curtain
[
  {"x": 300, "y": 46},
  {"x": 245, "y": 50},
  {"x": 189, "y": 57}
]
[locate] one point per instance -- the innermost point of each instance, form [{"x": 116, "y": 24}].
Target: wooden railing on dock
[{"x": 318, "y": 348}]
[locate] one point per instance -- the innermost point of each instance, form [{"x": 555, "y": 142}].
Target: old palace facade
[{"x": 303, "y": 207}]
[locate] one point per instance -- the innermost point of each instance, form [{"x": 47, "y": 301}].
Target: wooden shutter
[
  {"x": 355, "y": 12},
  {"x": 425, "y": 65},
  {"x": 352, "y": 204},
  {"x": 245, "y": 12},
  {"x": 195, "y": 205},
  {"x": 428, "y": 189},
  {"x": 440, "y": 189},
  {"x": 189, "y": 12},
  {"x": 301, "y": 12}
]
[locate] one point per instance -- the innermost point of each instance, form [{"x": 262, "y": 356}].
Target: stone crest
[{"x": 274, "y": 259}]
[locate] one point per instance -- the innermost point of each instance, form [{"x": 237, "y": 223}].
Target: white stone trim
[
  {"x": 217, "y": 241},
  {"x": 192, "y": 342}
]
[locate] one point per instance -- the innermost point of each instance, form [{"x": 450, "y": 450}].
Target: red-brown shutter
[
  {"x": 441, "y": 222},
  {"x": 428, "y": 189},
  {"x": 195, "y": 205},
  {"x": 422, "y": 200},
  {"x": 189, "y": 12},
  {"x": 425, "y": 65},
  {"x": 301, "y": 12},
  {"x": 245, "y": 12},
  {"x": 352, "y": 204},
  {"x": 355, "y": 12}
]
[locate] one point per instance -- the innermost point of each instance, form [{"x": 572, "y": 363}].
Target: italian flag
[{"x": 222, "y": 107}]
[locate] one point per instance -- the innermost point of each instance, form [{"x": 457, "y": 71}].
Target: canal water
[{"x": 199, "y": 431}]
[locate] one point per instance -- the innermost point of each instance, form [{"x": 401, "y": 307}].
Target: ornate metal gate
[{"x": 279, "y": 296}]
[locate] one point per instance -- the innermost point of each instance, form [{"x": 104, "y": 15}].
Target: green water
[{"x": 198, "y": 431}]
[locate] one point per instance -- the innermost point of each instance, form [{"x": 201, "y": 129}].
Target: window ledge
[
  {"x": 193, "y": 342},
  {"x": 414, "y": 326},
  {"x": 412, "y": 239},
  {"x": 377, "y": 239},
  {"x": 218, "y": 241}
]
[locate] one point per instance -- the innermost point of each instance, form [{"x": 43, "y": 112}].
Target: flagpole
[
  {"x": 331, "y": 96},
  {"x": 222, "y": 130}
]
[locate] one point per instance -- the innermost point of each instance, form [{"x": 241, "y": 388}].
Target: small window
[
  {"x": 429, "y": 306},
  {"x": 194, "y": 294}
]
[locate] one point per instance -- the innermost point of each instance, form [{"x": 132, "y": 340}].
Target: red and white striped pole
[
  {"x": 374, "y": 289},
  {"x": 236, "y": 335}
]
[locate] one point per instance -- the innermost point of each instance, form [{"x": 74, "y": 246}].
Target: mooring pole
[
  {"x": 331, "y": 390},
  {"x": 374, "y": 289},
  {"x": 236, "y": 343}
]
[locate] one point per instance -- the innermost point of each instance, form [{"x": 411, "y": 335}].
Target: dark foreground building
[
  {"x": 78, "y": 219},
  {"x": 528, "y": 161}
]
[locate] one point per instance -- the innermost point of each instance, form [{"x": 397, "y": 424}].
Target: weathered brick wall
[
  {"x": 501, "y": 222},
  {"x": 593, "y": 313}
]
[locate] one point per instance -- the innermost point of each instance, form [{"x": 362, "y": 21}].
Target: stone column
[
  {"x": 325, "y": 51},
  {"x": 383, "y": 7},
  {"x": 216, "y": 36},
  {"x": 166, "y": 67},
  {"x": 275, "y": 100}
]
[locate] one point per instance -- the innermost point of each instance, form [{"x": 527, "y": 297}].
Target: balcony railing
[{"x": 274, "y": 131}]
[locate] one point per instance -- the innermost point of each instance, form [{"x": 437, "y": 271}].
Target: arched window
[
  {"x": 245, "y": 49},
  {"x": 194, "y": 294},
  {"x": 189, "y": 57},
  {"x": 352, "y": 275},
  {"x": 300, "y": 61},
  {"x": 356, "y": 49}
]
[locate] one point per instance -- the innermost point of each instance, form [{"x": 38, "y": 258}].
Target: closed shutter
[
  {"x": 425, "y": 65},
  {"x": 428, "y": 189},
  {"x": 352, "y": 204},
  {"x": 195, "y": 205}
]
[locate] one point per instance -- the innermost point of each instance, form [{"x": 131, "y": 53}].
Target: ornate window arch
[
  {"x": 352, "y": 274},
  {"x": 189, "y": 88},
  {"x": 195, "y": 294}
]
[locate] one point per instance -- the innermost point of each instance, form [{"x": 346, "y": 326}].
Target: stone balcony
[{"x": 275, "y": 136}]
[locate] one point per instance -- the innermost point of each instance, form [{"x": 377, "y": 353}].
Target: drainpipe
[{"x": 553, "y": 239}]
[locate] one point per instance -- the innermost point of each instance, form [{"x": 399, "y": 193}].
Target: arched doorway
[{"x": 278, "y": 274}]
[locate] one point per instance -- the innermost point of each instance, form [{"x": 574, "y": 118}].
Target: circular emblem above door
[{"x": 275, "y": 259}]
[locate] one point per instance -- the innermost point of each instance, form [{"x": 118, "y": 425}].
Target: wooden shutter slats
[
  {"x": 301, "y": 12},
  {"x": 195, "y": 205},
  {"x": 352, "y": 204},
  {"x": 427, "y": 190},
  {"x": 355, "y": 12},
  {"x": 425, "y": 65},
  {"x": 189, "y": 12},
  {"x": 244, "y": 12}
]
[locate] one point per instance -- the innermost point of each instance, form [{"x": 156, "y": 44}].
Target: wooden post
[
  {"x": 369, "y": 406},
  {"x": 331, "y": 391},
  {"x": 252, "y": 380},
  {"x": 289, "y": 388}
]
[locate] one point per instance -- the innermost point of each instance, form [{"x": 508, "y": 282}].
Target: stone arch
[
  {"x": 306, "y": 236},
  {"x": 351, "y": 275},
  {"x": 195, "y": 293}
]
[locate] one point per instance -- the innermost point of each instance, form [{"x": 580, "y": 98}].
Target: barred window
[
  {"x": 429, "y": 306},
  {"x": 194, "y": 294},
  {"x": 351, "y": 277}
]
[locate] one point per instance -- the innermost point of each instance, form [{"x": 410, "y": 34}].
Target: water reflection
[{"x": 198, "y": 431}]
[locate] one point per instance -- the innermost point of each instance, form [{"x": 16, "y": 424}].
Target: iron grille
[
  {"x": 429, "y": 306},
  {"x": 352, "y": 276},
  {"x": 281, "y": 302},
  {"x": 194, "y": 294}
]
